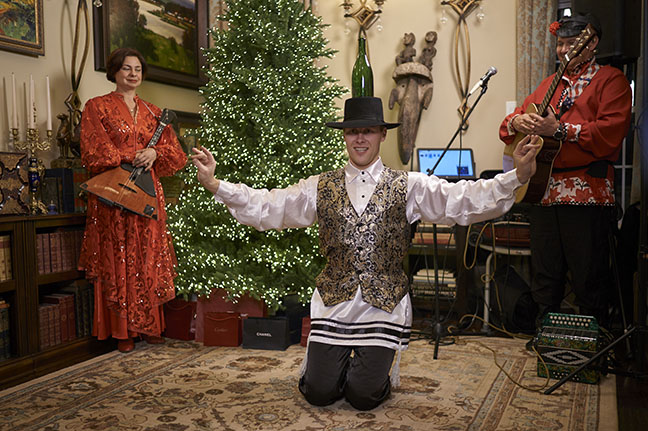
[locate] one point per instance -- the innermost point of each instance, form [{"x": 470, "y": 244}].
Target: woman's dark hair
[{"x": 116, "y": 60}]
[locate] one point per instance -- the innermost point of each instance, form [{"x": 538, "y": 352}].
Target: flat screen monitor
[{"x": 456, "y": 164}]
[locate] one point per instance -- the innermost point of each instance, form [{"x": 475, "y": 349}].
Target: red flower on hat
[{"x": 553, "y": 27}]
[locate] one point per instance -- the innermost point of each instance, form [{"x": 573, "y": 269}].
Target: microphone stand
[{"x": 438, "y": 328}]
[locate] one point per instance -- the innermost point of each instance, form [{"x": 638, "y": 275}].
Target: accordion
[{"x": 565, "y": 342}]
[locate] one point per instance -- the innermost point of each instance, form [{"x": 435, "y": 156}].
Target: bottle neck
[{"x": 362, "y": 46}]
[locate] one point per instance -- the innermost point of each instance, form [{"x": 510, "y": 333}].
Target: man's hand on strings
[
  {"x": 203, "y": 159},
  {"x": 534, "y": 124}
]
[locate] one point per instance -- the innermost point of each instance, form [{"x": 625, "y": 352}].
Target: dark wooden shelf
[
  {"x": 21, "y": 369},
  {"x": 22, "y": 292},
  {"x": 56, "y": 277},
  {"x": 7, "y": 286}
]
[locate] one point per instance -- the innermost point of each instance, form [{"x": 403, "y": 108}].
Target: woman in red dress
[{"x": 129, "y": 258}]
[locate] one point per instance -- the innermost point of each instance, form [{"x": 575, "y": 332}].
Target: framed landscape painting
[
  {"x": 21, "y": 26},
  {"x": 169, "y": 33}
]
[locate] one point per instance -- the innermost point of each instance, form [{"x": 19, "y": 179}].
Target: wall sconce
[
  {"x": 364, "y": 15},
  {"x": 463, "y": 8}
]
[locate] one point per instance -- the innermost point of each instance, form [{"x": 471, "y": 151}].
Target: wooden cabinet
[{"x": 23, "y": 293}]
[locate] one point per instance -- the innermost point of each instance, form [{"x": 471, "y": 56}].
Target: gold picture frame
[
  {"x": 174, "y": 58},
  {"x": 21, "y": 26}
]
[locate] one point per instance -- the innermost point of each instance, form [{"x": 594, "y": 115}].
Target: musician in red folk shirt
[
  {"x": 128, "y": 258},
  {"x": 570, "y": 225}
]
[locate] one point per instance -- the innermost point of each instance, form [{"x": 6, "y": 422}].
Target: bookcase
[{"x": 26, "y": 288}]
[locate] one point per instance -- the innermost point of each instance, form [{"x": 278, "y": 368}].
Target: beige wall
[
  {"x": 59, "y": 22},
  {"x": 492, "y": 44}
]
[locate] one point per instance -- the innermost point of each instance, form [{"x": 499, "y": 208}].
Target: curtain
[{"x": 536, "y": 53}]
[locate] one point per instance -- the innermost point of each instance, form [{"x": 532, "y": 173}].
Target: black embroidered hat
[
  {"x": 571, "y": 26},
  {"x": 362, "y": 112}
]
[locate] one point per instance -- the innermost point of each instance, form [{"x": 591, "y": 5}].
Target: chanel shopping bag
[{"x": 266, "y": 333}]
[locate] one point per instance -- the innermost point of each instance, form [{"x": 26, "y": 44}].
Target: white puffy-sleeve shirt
[{"x": 429, "y": 199}]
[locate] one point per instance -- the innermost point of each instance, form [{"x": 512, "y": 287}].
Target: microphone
[{"x": 484, "y": 79}]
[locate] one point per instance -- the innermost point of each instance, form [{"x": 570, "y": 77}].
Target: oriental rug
[{"x": 186, "y": 386}]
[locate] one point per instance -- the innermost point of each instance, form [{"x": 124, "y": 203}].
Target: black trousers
[
  {"x": 575, "y": 239},
  {"x": 332, "y": 373}
]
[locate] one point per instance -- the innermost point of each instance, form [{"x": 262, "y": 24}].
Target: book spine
[
  {"x": 8, "y": 260},
  {"x": 56, "y": 323},
  {"x": 67, "y": 250},
  {"x": 77, "y": 305},
  {"x": 40, "y": 253},
  {"x": 5, "y": 348},
  {"x": 90, "y": 307},
  {"x": 85, "y": 310},
  {"x": 43, "y": 326},
  {"x": 55, "y": 251},
  {"x": 69, "y": 305},
  {"x": 3, "y": 262},
  {"x": 47, "y": 254}
]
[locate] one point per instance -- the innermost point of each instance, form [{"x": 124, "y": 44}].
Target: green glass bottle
[{"x": 362, "y": 76}]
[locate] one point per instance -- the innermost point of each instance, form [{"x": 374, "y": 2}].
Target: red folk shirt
[
  {"x": 597, "y": 122},
  {"x": 129, "y": 258}
]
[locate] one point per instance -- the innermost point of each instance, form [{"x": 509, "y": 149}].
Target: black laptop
[{"x": 456, "y": 164}]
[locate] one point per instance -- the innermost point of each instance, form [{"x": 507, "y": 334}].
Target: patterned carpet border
[{"x": 185, "y": 386}]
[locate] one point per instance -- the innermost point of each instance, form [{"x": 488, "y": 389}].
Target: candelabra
[{"x": 35, "y": 169}]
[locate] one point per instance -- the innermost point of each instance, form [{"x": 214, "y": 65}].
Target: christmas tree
[{"x": 266, "y": 103}]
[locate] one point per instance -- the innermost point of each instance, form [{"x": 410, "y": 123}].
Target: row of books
[
  {"x": 5, "y": 258},
  {"x": 5, "y": 344},
  {"x": 66, "y": 315},
  {"x": 443, "y": 238},
  {"x": 59, "y": 250},
  {"x": 423, "y": 283},
  {"x": 425, "y": 234}
]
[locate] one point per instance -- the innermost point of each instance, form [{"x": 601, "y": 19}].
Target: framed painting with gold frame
[
  {"x": 21, "y": 26},
  {"x": 170, "y": 36}
]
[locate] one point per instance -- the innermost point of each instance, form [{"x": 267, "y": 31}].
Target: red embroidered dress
[
  {"x": 597, "y": 120},
  {"x": 129, "y": 258}
]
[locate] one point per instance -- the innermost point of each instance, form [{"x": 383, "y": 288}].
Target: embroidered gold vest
[{"x": 364, "y": 250}]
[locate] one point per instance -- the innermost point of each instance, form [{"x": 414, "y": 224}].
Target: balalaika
[{"x": 128, "y": 187}]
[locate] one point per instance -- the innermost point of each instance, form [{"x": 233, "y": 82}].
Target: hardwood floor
[
  {"x": 632, "y": 403},
  {"x": 632, "y": 389}
]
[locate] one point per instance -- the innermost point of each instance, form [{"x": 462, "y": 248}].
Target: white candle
[
  {"x": 30, "y": 108},
  {"x": 14, "y": 118},
  {"x": 49, "y": 105}
]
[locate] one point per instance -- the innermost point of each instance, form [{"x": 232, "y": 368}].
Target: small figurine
[
  {"x": 429, "y": 52},
  {"x": 408, "y": 53}
]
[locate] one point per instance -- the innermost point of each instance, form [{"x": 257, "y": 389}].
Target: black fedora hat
[{"x": 362, "y": 112}]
